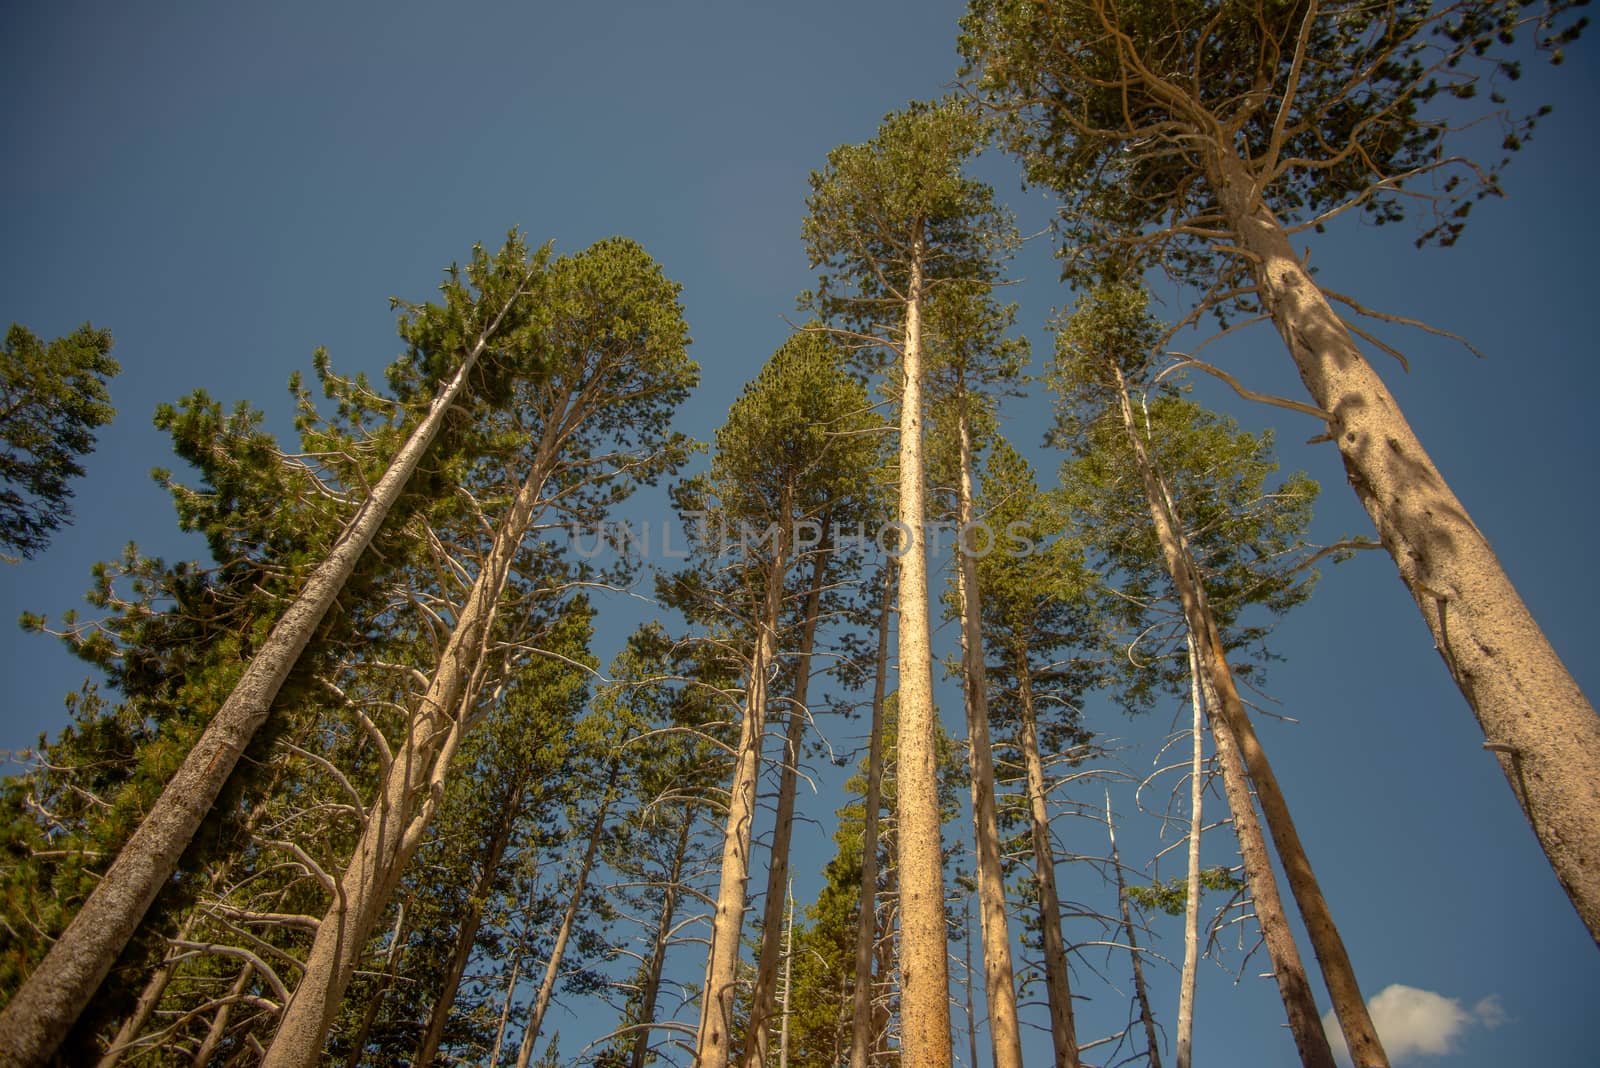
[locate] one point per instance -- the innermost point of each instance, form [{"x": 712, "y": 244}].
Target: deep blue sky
[{"x": 228, "y": 187}]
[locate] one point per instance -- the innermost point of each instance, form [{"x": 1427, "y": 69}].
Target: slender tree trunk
[
  {"x": 888, "y": 960},
  {"x": 1294, "y": 988},
  {"x": 467, "y": 933},
  {"x": 511, "y": 993},
  {"x": 149, "y": 998},
  {"x": 358, "y": 1042},
  {"x": 552, "y": 968},
  {"x": 999, "y": 979},
  {"x": 658, "y": 949},
  {"x": 219, "y": 1023},
  {"x": 39, "y": 1016},
  {"x": 1337, "y": 972},
  {"x": 761, "y": 1001},
  {"x": 1537, "y": 722},
  {"x": 788, "y": 982},
  {"x": 1191, "y": 908},
  {"x": 1141, "y": 992},
  {"x": 924, "y": 950},
  {"x": 719, "y": 995},
  {"x": 1057, "y": 979},
  {"x": 966, "y": 986},
  {"x": 394, "y": 828},
  {"x": 862, "y": 1040}
]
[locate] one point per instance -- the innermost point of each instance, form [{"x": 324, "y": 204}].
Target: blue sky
[{"x": 227, "y": 187}]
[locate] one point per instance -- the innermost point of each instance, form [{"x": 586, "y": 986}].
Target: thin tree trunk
[
  {"x": 358, "y": 1044},
  {"x": 999, "y": 979},
  {"x": 1294, "y": 988},
  {"x": 1141, "y": 992},
  {"x": 44, "y": 1009},
  {"x": 1337, "y": 973},
  {"x": 1537, "y": 722},
  {"x": 658, "y": 950},
  {"x": 219, "y": 1023},
  {"x": 924, "y": 950},
  {"x": 761, "y": 1000},
  {"x": 394, "y": 829},
  {"x": 788, "y": 982},
  {"x": 467, "y": 933},
  {"x": 511, "y": 992},
  {"x": 1057, "y": 979},
  {"x": 966, "y": 987},
  {"x": 1191, "y": 908},
  {"x": 719, "y": 994},
  {"x": 552, "y": 968},
  {"x": 861, "y": 1031}
]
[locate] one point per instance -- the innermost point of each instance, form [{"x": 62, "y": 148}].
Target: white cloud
[{"x": 1413, "y": 1022}]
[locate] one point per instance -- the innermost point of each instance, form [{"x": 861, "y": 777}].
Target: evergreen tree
[
  {"x": 1206, "y": 138},
  {"x": 52, "y": 399}
]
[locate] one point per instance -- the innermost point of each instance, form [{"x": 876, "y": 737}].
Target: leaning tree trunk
[
  {"x": 861, "y": 1019},
  {"x": 999, "y": 980},
  {"x": 552, "y": 967},
  {"x": 924, "y": 966},
  {"x": 658, "y": 949},
  {"x": 764, "y": 996},
  {"x": 1537, "y": 722},
  {"x": 1057, "y": 981},
  {"x": 467, "y": 932},
  {"x": 1337, "y": 972},
  {"x": 717, "y": 1000},
  {"x": 38, "y": 1017},
  {"x": 1141, "y": 992},
  {"x": 394, "y": 829},
  {"x": 1191, "y": 907}
]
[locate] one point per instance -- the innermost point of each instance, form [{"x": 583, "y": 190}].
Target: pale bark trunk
[
  {"x": 761, "y": 1001},
  {"x": 511, "y": 996},
  {"x": 719, "y": 994},
  {"x": 358, "y": 1042},
  {"x": 1141, "y": 992},
  {"x": 1191, "y": 908},
  {"x": 38, "y": 1017},
  {"x": 999, "y": 979},
  {"x": 1299, "y": 1004},
  {"x": 1337, "y": 971},
  {"x": 394, "y": 828},
  {"x": 788, "y": 983},
  {"x": 1058, "y": 983},
  {"x": 466, "y": 935},
  {"x": 861, "y": 1019},
  {"x": 658, "y": 950},
  {"x": 552, "y": 968},
  {"x": 1539, "y": 725},
  {"x": 924, "y": 964},
  {"x": 219, "y": 1022}
]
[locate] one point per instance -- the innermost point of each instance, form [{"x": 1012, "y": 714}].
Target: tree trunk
[
  {"x": 1057, "y": 980},
  {"x": 1537, "y": 722},
  {"x": 1141, "y": 992},
  {"x": 394, "y": 830},
  {"x": 924, "y": 965},
  {"x": 552, "y": 968},
  {"x": 1191, "y": 908},
  {"x": 999, "y": 979},
  {"x": 511, "y": 992},
  {"x": 219, "y": 1023},
  {"x": 1337, "y": 973},
  {"x": 719, "y": 995},
  {"x": 39, "y": 1016},
  {"x": 658, "y": 950},
  {"x": 761, "y": 1000},
  {"x": 467, "y": 934},
  {"x": 861, "y": 1019},
  {"x": 1299, "y": 1004},
  {"x": 788, "y": 983}
]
